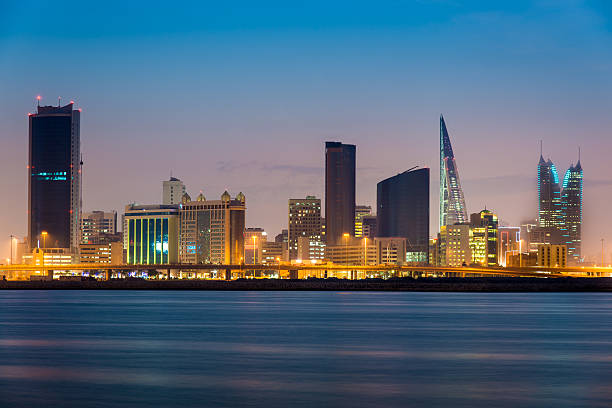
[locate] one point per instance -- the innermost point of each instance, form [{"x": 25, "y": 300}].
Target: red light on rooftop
[
  {"x": 72, "y": 102},
  {"x": 38, "y": 97},
  {"x": 29, "y": 114},
  {"x": 80, "y": 110}
]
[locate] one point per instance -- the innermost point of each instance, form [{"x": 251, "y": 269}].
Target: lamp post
[
  {"x": 346, "y": 237},
  {"x": 602, "y": 252},
  {"x": 254, "y": 253},
  {"x": 44, "y": 237},
  {"x": 12, "y": 238}
]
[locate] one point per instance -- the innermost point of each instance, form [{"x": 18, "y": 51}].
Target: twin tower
[{"x": 559, "y": 205}]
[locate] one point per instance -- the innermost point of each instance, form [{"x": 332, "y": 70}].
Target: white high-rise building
[{"x": 173, "y": 191}]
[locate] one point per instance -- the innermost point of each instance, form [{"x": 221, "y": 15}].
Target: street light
[
  {"x": 346, "y": 236},
  {"x": 254, "y": 254},
  {"x": 44, "y": 237},
  {"x": 12, "y": 238},
  {"x": 365, "y": 251}
]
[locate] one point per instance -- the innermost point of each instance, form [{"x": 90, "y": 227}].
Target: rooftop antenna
[
  {"x": 540, "y": 147},
  {"x": 59, "y": 101},
  {"x": 38, "y": 98},
  {"x": 579, "y": 154}
]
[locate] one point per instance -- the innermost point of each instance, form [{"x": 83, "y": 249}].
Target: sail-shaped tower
[{"x": 452, "y": 202}]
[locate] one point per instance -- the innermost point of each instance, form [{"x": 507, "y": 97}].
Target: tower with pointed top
[
  {"x": 549, "y": 195},
  {"x": 560, "y": 206},
  {"x": 571, "y": 210},
  {"x": 452, "y": 201}
]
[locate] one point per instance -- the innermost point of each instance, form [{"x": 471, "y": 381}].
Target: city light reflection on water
[{"x": 277, "y": 349}]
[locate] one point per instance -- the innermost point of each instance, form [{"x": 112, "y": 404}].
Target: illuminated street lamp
[
  {"x": 254, "y": 253},
  {"x": 365, "y": 251},
  {"x": 12, "y": 239},
  {"x": 346, "y": 236},
  {"x": 44, "y": 237}
]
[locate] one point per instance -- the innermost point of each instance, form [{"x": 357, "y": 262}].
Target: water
[{"x": 304, "y": 349}]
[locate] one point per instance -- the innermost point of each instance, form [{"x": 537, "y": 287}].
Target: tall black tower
[
  {"x": 54, "y": 177},
  {"x": 339, "y": 191}
]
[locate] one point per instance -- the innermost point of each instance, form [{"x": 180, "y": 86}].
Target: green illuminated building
[{"x": 152, "y": 234}]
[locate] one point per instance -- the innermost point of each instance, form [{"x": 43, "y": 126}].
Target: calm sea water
[{"x": 304, "y": 349}]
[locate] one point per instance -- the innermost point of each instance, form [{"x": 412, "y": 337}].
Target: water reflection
[{"x": 277, "y": 349}]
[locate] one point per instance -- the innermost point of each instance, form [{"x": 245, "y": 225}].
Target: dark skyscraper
[
  {"x": 339, "y": 191},
  {"x": 403, "y": 211},
  {"x": 54, "y": 177},
  {"x": 452, "y": 202}
]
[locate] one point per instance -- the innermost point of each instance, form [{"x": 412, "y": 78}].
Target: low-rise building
[
  {"x": 552, "y": 256},
  {"x": 152, "y": 234}
]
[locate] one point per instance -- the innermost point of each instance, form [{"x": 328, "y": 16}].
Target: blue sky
[{"x": 242, "y": 95}]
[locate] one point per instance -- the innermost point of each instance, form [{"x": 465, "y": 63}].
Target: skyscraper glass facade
[
  {"x": 402, "y": 204},
  {"x": 54, "y": 177},
  {"x": 452, "y": 202},
  {"x": 339, "y": 191},
  {"x": 571, "y": 209}
]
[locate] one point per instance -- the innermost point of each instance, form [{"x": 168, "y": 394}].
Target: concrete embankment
[{"x": 399, "y": 284}]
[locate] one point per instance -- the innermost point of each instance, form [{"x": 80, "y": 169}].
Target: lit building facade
[
  {"x": 391, "y": 250},
  {"x": 571, "y": 210},
  {"x": 484, "y": 238},
  {"x": 304, "y": 222},
  {"x": 454, "y": 245},
  {"x": 272, "y": 252},
  {"x": 310, "y": 249},
  {"x": 54, "y": 177},
  {"x": 509, "y": 242},
  {"x": 212, "y": 231},
  {"x": 339, "y": 191},
  {"x": 552, "y": 256},
  {"x": 402, "y": 208},
  {"x": 152, "y": 234},
  {"x": 360, "y": 212},
  {"x": 96, "y": 225},
  {"x": 452, "y": 201},
  {"x": 560, "y": 207},
  {"x": 102, "y": 253},
  {"x": 254, "y": 240}
]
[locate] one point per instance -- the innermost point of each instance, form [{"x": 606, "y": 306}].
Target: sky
[{"x": 241, "y": 96}]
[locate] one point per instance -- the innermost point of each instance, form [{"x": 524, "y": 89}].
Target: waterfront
[{"x": 277, "y": 349}]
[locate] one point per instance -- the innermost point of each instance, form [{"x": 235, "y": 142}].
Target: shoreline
[{"x": 390, "y": 285}]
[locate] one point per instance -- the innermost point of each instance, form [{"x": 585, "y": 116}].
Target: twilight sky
[{"x": 242, "y": 96}]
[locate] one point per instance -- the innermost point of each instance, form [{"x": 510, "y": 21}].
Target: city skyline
[{"x": 273, "y": 151}]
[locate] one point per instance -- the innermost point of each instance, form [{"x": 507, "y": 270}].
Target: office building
[
  {"x": 152, "y": 234},
  {"x": 484, "y": 238},
  {"x": 402, "y": 204},
  {"x": 339, "y": 191},
  {"x": 454, "y": 245},
  {"x": 353, "y": 252},
  {"x": 369, "y": 226},
  {"x": 571, "y": 210},
  {"x": 304, "y": 222},
  {"x": 360, "y": 212},
  {"x": 254, "y": 239},
  {"x": 549, "y": 195},
  {"x": 452, "y": 202},
  {"x": 172, "y": 191},
  {"x": 552, "y": 256},
  {"x": 310, "y": 249},
  {"x": 560, "y": 207},
  {"x": 212, "y": 231},
  {"x": 54, "y": 177},
  {"x": 272, "y": 252},
  {"x": 102, "y": 253},
  {"x": 96, "y": 225},
  {"x": 391, "y": 250}
]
